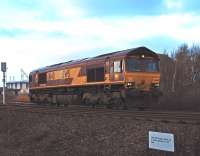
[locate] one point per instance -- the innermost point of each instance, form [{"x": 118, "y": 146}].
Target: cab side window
[
  {"x": 42, "y": 78},
  {"x": 118, "y": 66},
  {"x": 95, "y": 74}
]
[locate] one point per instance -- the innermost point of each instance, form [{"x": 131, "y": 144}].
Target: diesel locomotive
[{"x": 122, "y": 79}]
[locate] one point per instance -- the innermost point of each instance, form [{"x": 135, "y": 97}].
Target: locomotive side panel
[{"x": 110, "y": 78}]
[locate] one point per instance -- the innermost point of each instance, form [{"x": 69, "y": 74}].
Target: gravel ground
[{"x": 31, "y": 134}]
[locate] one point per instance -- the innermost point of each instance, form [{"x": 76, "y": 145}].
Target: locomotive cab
[{"x": 142, "y": 72}]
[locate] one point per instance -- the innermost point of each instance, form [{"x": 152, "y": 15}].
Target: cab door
[
  {"x": 116, "y": 70},
  {"x": 107, "y": 70}
]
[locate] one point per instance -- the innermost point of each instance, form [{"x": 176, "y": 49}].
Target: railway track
[
  {"x": 161, "y": 116},
  {"x": 47, "y": 109}
]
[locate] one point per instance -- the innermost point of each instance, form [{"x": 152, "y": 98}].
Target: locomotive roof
[{"x": 99, "y": 57}]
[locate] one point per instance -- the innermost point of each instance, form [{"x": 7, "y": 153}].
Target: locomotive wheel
[
  {"x": 53, "y": 100},
  {"x": 67, "y": 101},
  {"x": 86, "y": 99},
  {"x": 116, "y": 101},
  {"x": 90, "y": 99}
]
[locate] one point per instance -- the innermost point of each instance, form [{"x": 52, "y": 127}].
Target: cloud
[
  {"x": 5, "y": 32},
  {"x": 61, "y": 30},
  {"x": 15, "y": 11},
  {"x": 111, "y": 29},
  {"x": 174, "y": 4},
  {"x": 122, "y": 7},
  {"x": 51, "y": 42},
  {"x": 33, "y": 53}
]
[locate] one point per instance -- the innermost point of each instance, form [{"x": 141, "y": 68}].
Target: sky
[{"x": 36, "y": 33}]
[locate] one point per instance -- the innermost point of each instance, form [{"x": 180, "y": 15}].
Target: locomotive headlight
[
  {"x": 130, "y": 84},
  {"x": 156, "y": 85}
]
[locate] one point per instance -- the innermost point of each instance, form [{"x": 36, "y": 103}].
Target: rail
[{"x": 149, "y": 115}]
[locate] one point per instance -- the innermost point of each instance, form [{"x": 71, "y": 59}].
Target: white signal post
[{"x": 3, "y": 69}]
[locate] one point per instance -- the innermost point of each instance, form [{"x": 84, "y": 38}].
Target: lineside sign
[{"x": 161, "y": 141}]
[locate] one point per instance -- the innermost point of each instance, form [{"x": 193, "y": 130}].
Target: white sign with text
[{"x": 161, "y": 141}]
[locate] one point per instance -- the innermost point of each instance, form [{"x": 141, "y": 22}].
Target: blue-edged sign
[{"x": 161, "y": 141}]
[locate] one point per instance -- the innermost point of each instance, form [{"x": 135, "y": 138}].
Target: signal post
[{"x": 3, "y": 69}]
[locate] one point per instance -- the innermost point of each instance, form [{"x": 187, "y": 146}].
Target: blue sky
[{"x": 36, "y": 33}]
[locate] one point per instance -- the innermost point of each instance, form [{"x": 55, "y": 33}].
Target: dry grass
[{"x": 28, "y": 134}]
